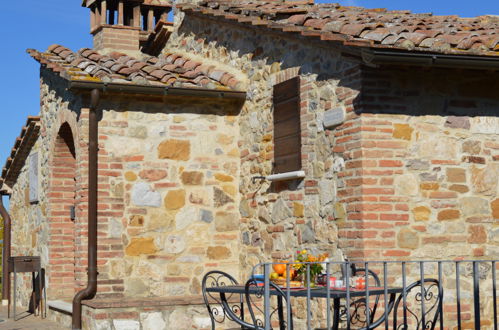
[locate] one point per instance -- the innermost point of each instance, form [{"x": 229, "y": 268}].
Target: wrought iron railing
[{"x": 426, "y": 294}]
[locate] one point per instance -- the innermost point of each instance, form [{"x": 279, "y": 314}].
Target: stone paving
[{"x": 29, "y": 321}]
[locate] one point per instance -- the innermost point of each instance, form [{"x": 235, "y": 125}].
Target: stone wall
[
  {"x": 410, "y": 174},
  {"x": 168, "y": 194},
  {"x": 429, "y": 165},
  {"x": 278, "y": 218},
  {"x": 171, "y": 173},
  {"x": 428, "y": 168},
  {"x": 169, "y": 314},
  {"x": 36, "y": 229}
]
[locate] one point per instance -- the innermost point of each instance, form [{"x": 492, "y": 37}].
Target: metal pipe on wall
[
  {"x": 91, "y": 289},
  {"x": 6, "y": 250}
]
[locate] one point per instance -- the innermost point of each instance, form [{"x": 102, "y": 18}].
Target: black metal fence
[{"x": 426, "y": 294}]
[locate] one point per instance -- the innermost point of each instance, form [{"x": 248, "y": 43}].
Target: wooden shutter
[{"x": 287, "y": 135}]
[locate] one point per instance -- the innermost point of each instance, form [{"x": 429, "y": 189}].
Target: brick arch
[{"x": 61, "y": 198}]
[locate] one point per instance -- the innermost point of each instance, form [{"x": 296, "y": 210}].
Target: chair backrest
[
  {"x": 213, "y": 301},
  {"x": 358, "y": 307},
  {"x": 254, "y": 302},
  {"x": 428, "y": 292}
]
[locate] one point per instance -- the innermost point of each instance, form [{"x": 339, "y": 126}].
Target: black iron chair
[
  {"x": 218, "y": 310},
  {"x": 428, "y": 292},
  {"x": 254, "y": 299},
  {"x": 359, "y": 308}
]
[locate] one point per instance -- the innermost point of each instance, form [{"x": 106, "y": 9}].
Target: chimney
[{"x": 125, "y": 25}]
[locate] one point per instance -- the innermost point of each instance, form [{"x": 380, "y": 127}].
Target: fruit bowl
[{"x": 292, "y": 284}]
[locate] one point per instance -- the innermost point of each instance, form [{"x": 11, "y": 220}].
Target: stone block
[
  {"x": 457, "y": 122},
  {"x": 185, "y": 217},
  {"x": 174, "y": 149},
  {"x": 408, "y": 239},
  {"x": 456, "y": 174},
  {"x": 130, "y": 176},
  {"x": 199, "y": 197},
  {"x": 485, "y": 125},
  {"x": 339, "y": 212},
  {"x": 429, "y": 186},
  {"x": 431, "y": 147},
  {"x": 144, "y": 195},
  {"x": 402, "y": 131},
  {"x": 280, "y": 211},
  {"x": 218, "y": 252},
  {"x": 472, "y": 147},
  {"x": 224, "y": 139},
  {"x": 306, "y": 233},
  {"x": 229, "y": 189},
  {"x": 264, "y": 215},
  {"x": 180, "y": 319},
  {"x": 460, "y": 188},
  {"x": 160, "y": 221},
  {"x": 327, "y": 191},
  {"x": 126, "y": 325},
  {"x": 484, "y": 180},
  {"x": 474, "y": 206},
  {"x": 139, "y": 132},
  {"x": 418, "y": 165},
  {"x": 175, "y": 199},
  {"x": 136, "y": 221},
  {"x": 140, "y": 246},
  {"x": 477, "y": 234},
  {"x": 448, "y": 214},
  {"x": 223, "y": 177},
  {"x": 406, "y": 185},
  {"x": 494, "y": 205},
  {"x": 174, "y": 244},
  {"x": 192, "y": 178},
  {"x": 220, "y": 197},
  {"x": 206, "y": 216},
  {"x": 225, "y": 221},
  {"x": 153, "y": 175},
  {"x": 421, "y": 213},
  {"x": 152, "y": 320},
  {"x": 298, "y": 209}
]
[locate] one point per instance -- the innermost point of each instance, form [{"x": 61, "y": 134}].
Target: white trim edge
[
  {"x": 61, "y": 305},
  {"x": 286, "y": 176}
]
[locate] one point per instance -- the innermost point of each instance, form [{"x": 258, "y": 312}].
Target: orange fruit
[{"x": 279, "y": 268}]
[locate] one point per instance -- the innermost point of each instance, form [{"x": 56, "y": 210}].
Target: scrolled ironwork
[
  {"x": 254, "y": 295},
  {"x": 213, "y": 302},
  {"x": 428, "y": 293},
  {"x": 358, "y": 307}
]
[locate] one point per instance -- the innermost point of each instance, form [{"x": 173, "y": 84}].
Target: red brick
[
  {"x": 388, "y": 216},
  {"x": 443, "y": 194},
  {"x": 396, "y": 253},
  {"x": 390, "y": 163}
]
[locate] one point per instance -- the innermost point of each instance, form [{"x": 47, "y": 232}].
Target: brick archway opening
[{"x": 62, "y": 199}]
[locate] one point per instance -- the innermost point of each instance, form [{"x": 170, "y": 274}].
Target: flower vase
[{"x": 313, "y": 280}]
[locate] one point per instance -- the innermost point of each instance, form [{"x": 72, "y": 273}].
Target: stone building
[{"x": 386, "y": 120}]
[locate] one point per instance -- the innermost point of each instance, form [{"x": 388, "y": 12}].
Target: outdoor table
[{"x": 317, "y": 292}]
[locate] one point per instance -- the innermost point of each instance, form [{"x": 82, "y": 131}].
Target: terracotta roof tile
[
  {"x": 358, "y": 26},
  {"x": 166, "y": 69},
  {"x": 20, "y": 151}
]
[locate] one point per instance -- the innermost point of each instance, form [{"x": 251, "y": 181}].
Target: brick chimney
[{"x": 125, "y": 25}]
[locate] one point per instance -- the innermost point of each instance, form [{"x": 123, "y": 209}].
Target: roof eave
[
  {"x": 376, "y": 57},
  {"x": 156, "y": 90}
]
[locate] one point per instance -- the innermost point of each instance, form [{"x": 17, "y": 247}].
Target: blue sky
[{"x": 38, "y": 24}]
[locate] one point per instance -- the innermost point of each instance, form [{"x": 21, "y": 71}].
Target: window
[
  {"x": 287, "y": 135},
  {"x": 33, "y": 177}
]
